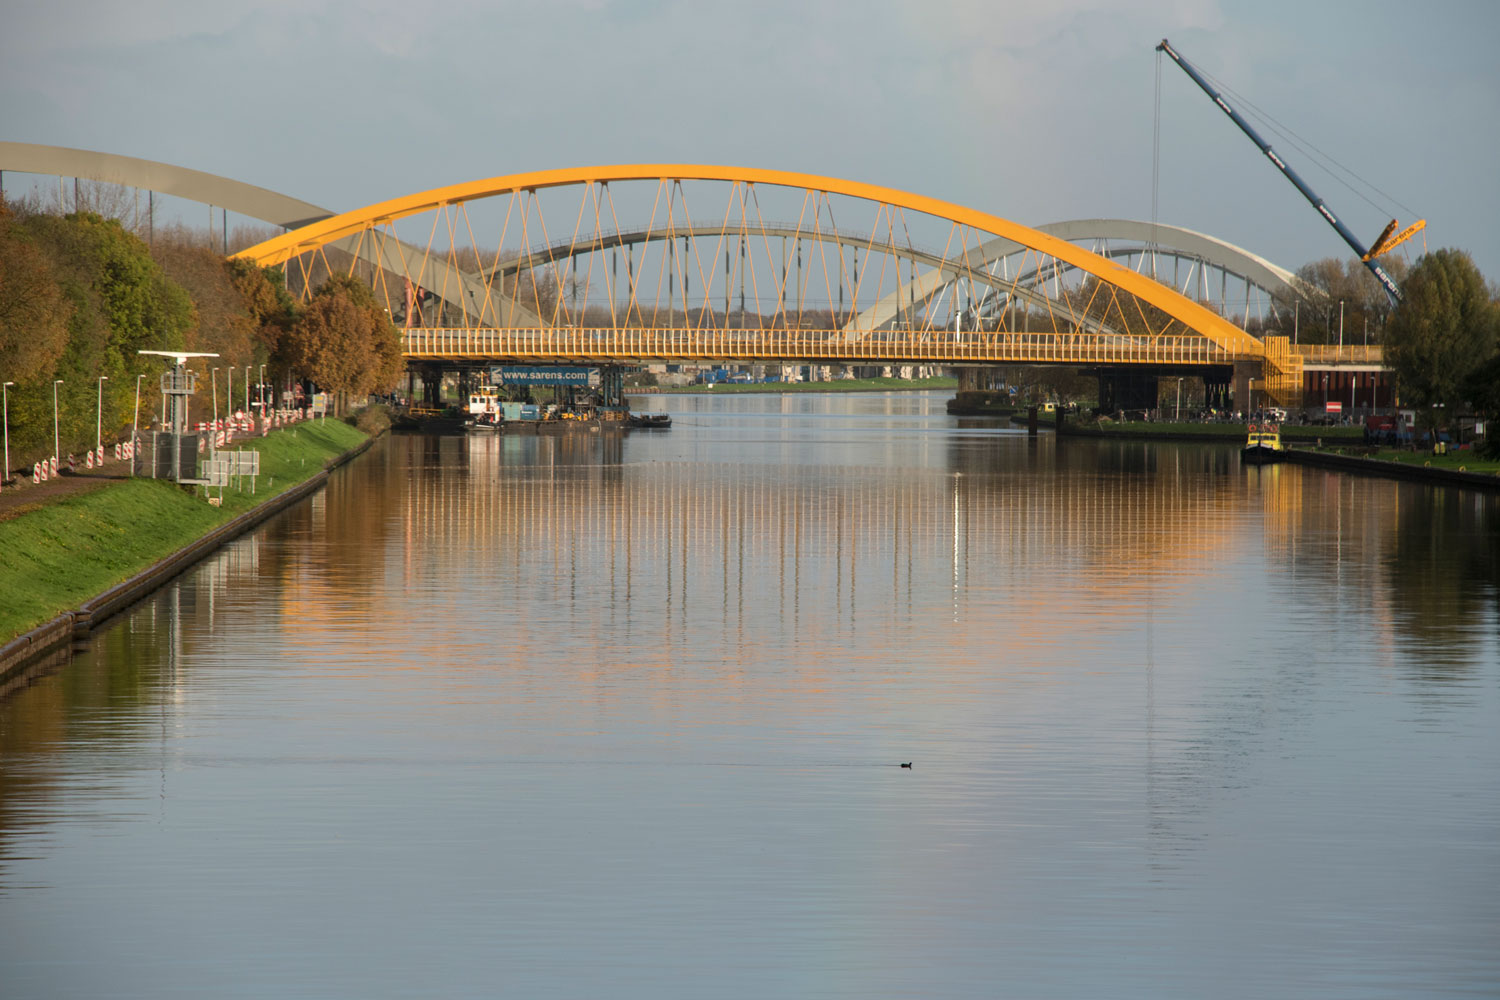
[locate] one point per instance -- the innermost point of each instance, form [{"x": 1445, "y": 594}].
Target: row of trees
[
  {"x": 1443, "y": 340},
  {"x": 80, "y": 295}
]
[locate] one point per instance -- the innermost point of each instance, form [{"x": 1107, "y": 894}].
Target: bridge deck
[{"x": 566, "y": 345}]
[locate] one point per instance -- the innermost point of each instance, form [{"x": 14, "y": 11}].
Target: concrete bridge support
[
  {"x": 1127, "y": 390},
  {"x": 432, "y": 387},
  {"x": 1216, "y": 394}
]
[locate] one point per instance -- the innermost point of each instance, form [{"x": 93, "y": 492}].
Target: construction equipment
[{"x": 1367, "y": 255}]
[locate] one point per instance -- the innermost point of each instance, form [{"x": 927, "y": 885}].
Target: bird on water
[{"x": 907, "y": 764}]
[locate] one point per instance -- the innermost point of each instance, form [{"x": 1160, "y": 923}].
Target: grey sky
[{"x": 1033, "y": 111}]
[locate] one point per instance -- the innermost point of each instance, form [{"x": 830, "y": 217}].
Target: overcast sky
[{"x": 1035, "y": 111}]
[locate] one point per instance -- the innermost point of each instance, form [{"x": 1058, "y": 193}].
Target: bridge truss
[{"x": 670, "y": 262}]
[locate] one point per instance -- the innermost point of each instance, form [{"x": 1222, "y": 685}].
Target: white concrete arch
[
  {"x": 1140, "y": 238},
  {"x": 452, "y": 284}
]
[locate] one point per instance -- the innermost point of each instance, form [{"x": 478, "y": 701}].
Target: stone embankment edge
[
  {"x": 1320, "y": 459},
  {"x": 26, "y": 649},
  {"x": 1393, "y": 470}
]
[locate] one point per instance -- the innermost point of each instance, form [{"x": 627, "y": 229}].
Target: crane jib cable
[{"x": 1366, "y": 255}]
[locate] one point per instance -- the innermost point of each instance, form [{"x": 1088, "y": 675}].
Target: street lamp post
[
  {"x": 247, "y": 389},
  {"x": 135, "y": 423},
  {"x": 261, "y": 386},
  {"x": 99, "y": 423},
  {"x": 5, "y": 472},
  {"x": 229, "y": 391},
  {"x": 56, "y": 447}
]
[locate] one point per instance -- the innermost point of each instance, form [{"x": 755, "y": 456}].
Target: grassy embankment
[
  {"x": 1334, "y": 440},
  {"x": 838, "y": 385},
  {"x": 60, "y": 554},
  {"x": 1455, "y": 461}
]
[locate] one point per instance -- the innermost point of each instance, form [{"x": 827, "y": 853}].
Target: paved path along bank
[{"x": 25, "y": 570}]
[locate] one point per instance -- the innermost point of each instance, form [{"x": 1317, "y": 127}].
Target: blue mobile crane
[{"x": 1386, "y": 241}]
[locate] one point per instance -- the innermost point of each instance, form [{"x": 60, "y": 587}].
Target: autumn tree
[
  {"x": 343, "y": 341},
  {"x": 1445, "y": 329},
  {"x": 223, "y": 325},
  {"x": 33, "y": 312},
  {"x": 115, "y": 300},
  {"x": 34, "y": 321},
  {"x": 1347, "y": 283}
]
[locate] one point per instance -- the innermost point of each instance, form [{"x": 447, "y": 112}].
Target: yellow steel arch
[{"x": 1195, "y": 317}]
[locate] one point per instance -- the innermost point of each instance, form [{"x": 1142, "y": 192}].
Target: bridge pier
[
  {"x": 432, "y": 387},
  {"x": 612, "y": 386},
  {"x": 1127, "y": 390},
  {"x": 1216, "y": 394}
]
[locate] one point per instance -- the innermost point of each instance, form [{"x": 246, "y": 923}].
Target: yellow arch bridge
[{"x": 690, "y": 263}]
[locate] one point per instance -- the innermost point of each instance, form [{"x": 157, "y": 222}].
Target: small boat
[
  {"x": 1262, "y": 444},
  {"x": 484, "y": 409},
  {"x": 651, "y": 420}
]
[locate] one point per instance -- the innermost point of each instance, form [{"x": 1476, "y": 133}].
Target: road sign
[
  {"x": 1332, "y": 408},
  {"x": 216, "y": 471},
  {"x": 243, "y": 463}
]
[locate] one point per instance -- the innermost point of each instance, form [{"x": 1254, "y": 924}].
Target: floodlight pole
[
  {"x": 99, "y": 422},
  {"x": 178, "y": 384},
  {"x": 56, "y": 447},
  {"x": 5, "y": 472},
  {"x": 247, "y": 388},
  {"x": 135, "y": 422},
  {"x": 214, "y": 379}
]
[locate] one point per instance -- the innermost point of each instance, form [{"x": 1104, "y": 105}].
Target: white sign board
[{"x": 245, "y": 463}]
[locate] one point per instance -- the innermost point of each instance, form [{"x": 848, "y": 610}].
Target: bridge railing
[
  {"x": 629, "y": 345},
  {"x": 1332, "y": 354}
]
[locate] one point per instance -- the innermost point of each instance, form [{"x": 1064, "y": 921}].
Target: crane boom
[{"x": 1392, "y": 290}]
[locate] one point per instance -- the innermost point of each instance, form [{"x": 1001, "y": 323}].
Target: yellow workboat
[{"x": 1262, "y": 444}]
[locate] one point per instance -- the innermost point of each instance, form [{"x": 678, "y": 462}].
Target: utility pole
[
  {"x": 55, "y": 446},
  {"x": 5, "y": 472},
  {"x": 99, "y": 423}
]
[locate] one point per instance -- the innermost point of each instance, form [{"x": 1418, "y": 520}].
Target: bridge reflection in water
[
  {"x": 664, "y": 665},
  {"x": 800, "y": 552}
]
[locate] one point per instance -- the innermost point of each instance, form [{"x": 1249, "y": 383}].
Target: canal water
[{"x": 604, "y": 716}]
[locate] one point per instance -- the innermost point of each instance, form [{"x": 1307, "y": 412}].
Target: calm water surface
[{"x": 588, "y": 716}]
